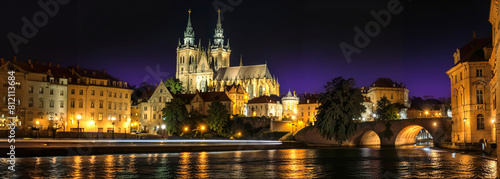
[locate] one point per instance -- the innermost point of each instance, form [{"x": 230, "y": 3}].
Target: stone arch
[
  {"x": 408, "y": 135},
  {"x": 369, "y": 138}
]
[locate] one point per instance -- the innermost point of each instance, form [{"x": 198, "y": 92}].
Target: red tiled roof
[
  {"x": 214, "y": 96},
  {"x": 473, "y": 51},
  {"x": 264, "y": 99}
]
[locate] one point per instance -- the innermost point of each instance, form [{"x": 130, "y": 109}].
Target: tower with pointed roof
[{"x": 220, "y": 52}]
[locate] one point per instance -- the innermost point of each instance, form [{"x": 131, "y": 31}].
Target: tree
[
  {"x": 339, "y": 106},
  {"x": 218, "y": 116},
  {"x": 173, "y": 114},
  {"x": 386, "y": 110},
  {"x": 174, "y": 85}
]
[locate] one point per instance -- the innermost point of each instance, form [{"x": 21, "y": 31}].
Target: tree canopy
[
  {"x": 218, "y": 117},
  {"x": 386, "y": 110},
  {"x": 173, "y": 114},
  {"x": 339, "y": 106},
  {"x": 174, "y": 85}
]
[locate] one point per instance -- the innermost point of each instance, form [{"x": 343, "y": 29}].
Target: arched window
[
  {"x": 182, "y": 70},
  {"x": 480, "y": 121}
]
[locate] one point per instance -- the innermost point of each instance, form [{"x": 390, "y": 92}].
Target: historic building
[
  {"x": 202, "y": 101},
  {"x": 239, "y": 97},
  {"x": 307, "y": 108},
  {"x": 384, "y": 87},
  {"x": 46, "y": 95},
  {"x": 267, "y": 106},
  {"x": 471, "y": 94},
  {"x": 21, "y": 106},
  {"x": 208, "y": 68},
  {"x": 290, "y": 102},
  {"x": 150, "y": 115},
  {"x": 97, "y": 102}
]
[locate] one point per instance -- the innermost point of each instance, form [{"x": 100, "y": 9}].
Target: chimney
[
  {"x": 57, "y": 65},
  {"x": 50, "y": 64},
  {"x": 14, "y": 59},
  {"x": 29, "y": 60},
  {"x": 72, "y": 71}
]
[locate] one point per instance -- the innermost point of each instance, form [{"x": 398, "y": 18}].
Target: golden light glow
[
  {"x": 435, "y": 123},
  {"x": 186, "y": 129},
  {"x": 239, "y": 133},
  {"x": 37, "y": 122},
  {"x": 293, "y": 117},
  {"x": 493, "y": 121},
  {"x": 254, "y": 114},
  {"x": 79, "y": 117},
  {"x": 426, "y": 112},
  {"x": 91, "y": 122},
  {"x": 202, "y": 127}
]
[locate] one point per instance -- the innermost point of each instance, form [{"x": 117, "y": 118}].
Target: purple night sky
[{"x": 299, "y": 40}]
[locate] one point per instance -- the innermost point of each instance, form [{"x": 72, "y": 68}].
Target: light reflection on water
[{"x": 409, "y": 161}]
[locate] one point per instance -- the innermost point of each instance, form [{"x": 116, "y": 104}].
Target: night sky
[{"x": 299, "y": 40}]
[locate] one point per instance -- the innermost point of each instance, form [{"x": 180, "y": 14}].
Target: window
[
  {"x": 100, "y": 117},
  {"x": 120, "y": 106},
  {"x": 110, "y": 94},
  {"x": 101, "y": 93},
  {"x": 101, "y": 104},
  {"x": 30, "y": 89},
  {"x": 154, "y": 116},
  {"x": 109, "y": 105},
  {"x": 479, "y": 72},
  {"x": 479, "y": 94},
  {"x": 73, "y": 104},
  {"x": 115, "y": 95},
  {"x": 145, "y": 108},
  {"x": 40, "y": 91},
  {"x": 154, "y": 108},
  {"x": 461, "y": 76},
  {"x": 114, "y": 105},
  {"x": 91, "y": 116},
  {"x": 72, "y": 91},
  {"x": 61, "y": 104},
  {"x": 91, "y": 104},
  {"x": 121, "y": 95},
  {"x": 80, "y": 104},
  {"x": 159, "y": 99},
  {"x": 41, "y": 103},
  {"x": 480, "y": 121},
  {"x": 61, "y": 93},
  {"x": 126, "y": 95},
  {"x": 51, "y": 92},
  {"x": 51, "y": 103},
  {"x": 81, "y": 92},
  {"x": 92, "y": 92},
  {"x": 30, "y": 102},
  {"x": 145, "y": 116}
]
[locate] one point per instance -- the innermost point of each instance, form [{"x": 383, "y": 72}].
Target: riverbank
[{"x": 39, "y": 148}]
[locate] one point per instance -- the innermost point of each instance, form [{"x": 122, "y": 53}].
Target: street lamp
[
  {"x": 202, "y": 129},
  {"x": 426, "y": 112},
  {"x": 113, "y": 119},
  {"x": 162, "y": 130}
]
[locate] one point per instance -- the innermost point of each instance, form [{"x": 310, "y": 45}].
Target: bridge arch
[
  {"x": 408, "y": 135},
  {"x": 369, "y": 138}
]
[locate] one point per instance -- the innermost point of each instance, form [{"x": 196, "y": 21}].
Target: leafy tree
[
  {"x": 386, "y": 110},
  {"x": 218, "y": 117},
  {"x": 174, "y": 85},
  {"x": 173, "y": 114},
  {"x": 339, "y": 106}
]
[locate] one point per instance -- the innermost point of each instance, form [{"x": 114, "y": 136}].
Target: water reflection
[{"x": 419, "y": 162}]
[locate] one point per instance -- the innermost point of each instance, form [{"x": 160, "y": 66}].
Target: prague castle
[{"x": 207, "y": 69}]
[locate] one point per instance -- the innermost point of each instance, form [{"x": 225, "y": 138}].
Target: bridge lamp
[{"x": 435, "y": 124}]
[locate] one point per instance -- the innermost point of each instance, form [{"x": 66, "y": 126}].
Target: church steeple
[
  {"x": 189, "y": 32},
  {"x": 218, "y": 36}
]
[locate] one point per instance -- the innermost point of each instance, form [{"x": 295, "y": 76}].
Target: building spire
[
  {"x": 189, "y": 32},
  {"x": 218, "y": 36},
  {"x": 241, "y": 59}
]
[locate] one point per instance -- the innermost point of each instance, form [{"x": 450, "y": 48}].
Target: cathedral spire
[
  {"x": 241, "y": 60},
  {"x": 189, "y": 32},
  {"x": 218, "y": 36}
]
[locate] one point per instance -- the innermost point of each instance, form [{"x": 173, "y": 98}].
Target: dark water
[{"x": 419, "y": 162}]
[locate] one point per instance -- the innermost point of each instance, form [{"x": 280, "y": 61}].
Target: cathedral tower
[
  {"x": 188, "y": 57},
  {"x": 218, "y": 51}
]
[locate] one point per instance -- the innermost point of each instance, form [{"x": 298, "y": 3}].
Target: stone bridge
[{"x": 404, "y": 132}]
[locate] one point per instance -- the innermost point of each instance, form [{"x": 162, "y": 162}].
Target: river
[{"x": 409, "y": 161}]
